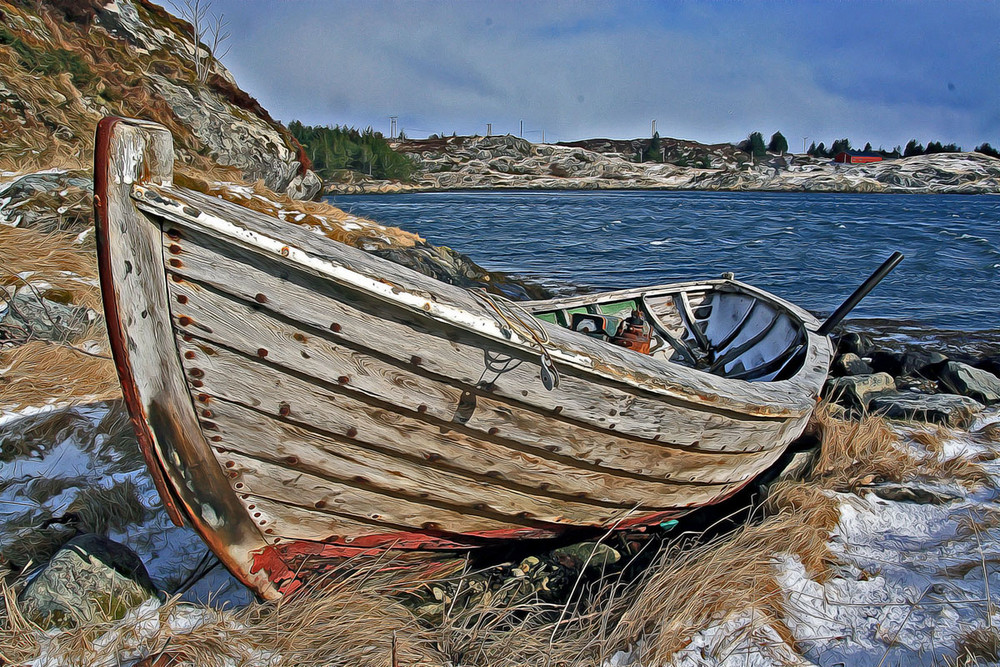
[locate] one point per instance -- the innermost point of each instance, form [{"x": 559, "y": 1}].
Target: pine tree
[
  {"x": 755, "y": 144},
  {"x": 913, "y": 148},
  {"x": 778, "y": 144}
]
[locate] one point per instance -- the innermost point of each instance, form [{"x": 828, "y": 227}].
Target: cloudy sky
[{"x": 883, "y": 72}]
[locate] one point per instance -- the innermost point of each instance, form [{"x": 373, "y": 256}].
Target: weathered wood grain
[
  {"x": 391, "y": 333},
  {"x": 265, "y": 388},
  {"x": 250, "y": 330},
  {"x": 344, "y": 459}
]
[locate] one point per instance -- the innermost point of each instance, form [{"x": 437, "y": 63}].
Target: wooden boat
[{"x": 299, "y": 401}]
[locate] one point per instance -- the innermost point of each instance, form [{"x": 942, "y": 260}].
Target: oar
[{"x": 860, "y": 293}]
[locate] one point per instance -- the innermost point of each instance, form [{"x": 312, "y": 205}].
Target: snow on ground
[
  {"x": 912, "y": 581},
  {"x": 80, "y": 455}
]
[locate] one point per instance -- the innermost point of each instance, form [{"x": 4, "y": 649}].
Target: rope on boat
[{"x": 513, "y": 318}]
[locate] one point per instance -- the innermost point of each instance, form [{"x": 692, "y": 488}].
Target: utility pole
[
  {"x": 392, "y": 126},
  {"x": 804, "y": 140},
  {"x": 653, "y": 131},
  {"x": 489, "y": 129},
  {"x": 522, "y": 130}
]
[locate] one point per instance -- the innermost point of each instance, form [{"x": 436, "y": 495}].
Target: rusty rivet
[
  {"x": 656, "y": 437},
  {"x": 198, "y": 384},
  {"x": 184, "y": 320},
  {"x": 343, "y": 379},
  {"x": 351, "y": 432},
  {"x": 207, "y": 414},
  {"x": 335, "y": 328},
  {"x": 189, "y": 355},
  {"x": 611, "y": 426},
  {"x": 176, "y": 263},
  {"x": 173, "y": 234},
  {"x": 319, "y": 504},
  {"x": 284, "y": 409},
  {"x": 216, "y": 438},
  {"x": 261, "y": 353},
  {"x": 196, "y": 373},
  {"x": 251, "y": 507},
  {"x": 230, "y": 464},
  {"x": 187, "y": 338},
  {"x": 233, "y": 474},
  {"x": 203, "y": 398},
  {"x": 260, "y": 298},
  {"x": 174, "y": 249},
  {"x": 238, "y": 485},
  {"x": 421, "y": 408},
  {"x": 493, "y": 431},
  {"x": 415, "y": 360},
  {"x": 270, "y": 531},
  {"x": 433, "y": 456},
  {"x": 262, "y": 522},
  {"x": 176, "y": 278},
  {"x": 284, "y": 251},
  {"x": 211, "y": 426},
  {"x": 181, "y": 298},
  {"x": 256, "y": 515},
  {"x": 299, "y": 337},
  {"x": 291, "y": 460},
  {"x": 557, "y": 409}
]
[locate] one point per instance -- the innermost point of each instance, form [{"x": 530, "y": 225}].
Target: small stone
[
  {"x": 89, "y": 579},
  {"x": 970, "y": 381},
  {"x": 854, "y": 343},
  {"x": 946, "y": 409},
  {"x": 913, "y": 494},
  {"x": 592, "y": 555},
  {"x": 856, "y": 391},
  {"x": 850, "y": 364}
]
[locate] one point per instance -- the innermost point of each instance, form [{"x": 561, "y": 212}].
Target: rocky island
[{"x": 508, "y": 162}]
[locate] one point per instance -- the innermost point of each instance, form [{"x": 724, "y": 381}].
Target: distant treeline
[
  {"x": 332, "y": 149},
  {"x": 913, "y": 147}
]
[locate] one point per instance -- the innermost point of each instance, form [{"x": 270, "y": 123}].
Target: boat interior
[{"x": 713, "y": 328}]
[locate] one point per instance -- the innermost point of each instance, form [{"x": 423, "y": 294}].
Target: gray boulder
[
  {"x": 856, "y": 391},
  {"x": 947, "y": 409},
  {"x": 90, "y": 579},
  {"x": 970, "y": 381},
  {"x": 304, "y": 186},
  {"x": 850, "y": 364}
]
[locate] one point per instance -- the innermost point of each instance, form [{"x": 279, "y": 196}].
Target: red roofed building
[{"x": 857, "y": 157}]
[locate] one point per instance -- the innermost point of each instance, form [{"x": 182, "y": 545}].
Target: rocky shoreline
[{"x": 511, "y": 163}]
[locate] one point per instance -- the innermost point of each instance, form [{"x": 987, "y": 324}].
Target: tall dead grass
[
  {"x": 40, "y": 372},
  {"x": 53, "y": 259}
]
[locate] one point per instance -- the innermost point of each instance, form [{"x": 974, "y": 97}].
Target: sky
[{"x": 879, "y": 72}]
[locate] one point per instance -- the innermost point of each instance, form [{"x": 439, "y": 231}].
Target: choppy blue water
[{"x": 812, "y": 249}]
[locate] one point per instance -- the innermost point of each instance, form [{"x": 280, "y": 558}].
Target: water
[{"x": 812, "y": 249}]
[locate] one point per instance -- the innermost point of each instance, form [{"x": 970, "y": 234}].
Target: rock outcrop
[{"x": 66, "y": 65}]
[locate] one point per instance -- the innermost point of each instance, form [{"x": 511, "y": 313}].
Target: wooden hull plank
[
  {"x": 266, "y": 388},
  {"x": 250, "y": 330},
  {"x": 261, "y": 478},
  {"x": 348, "y": 462},
  {"x": 592, "y": 469},
  {"x": 605, "y": 407}
]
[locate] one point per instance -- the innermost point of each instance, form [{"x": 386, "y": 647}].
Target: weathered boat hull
[{"x": 298, "y": 400}]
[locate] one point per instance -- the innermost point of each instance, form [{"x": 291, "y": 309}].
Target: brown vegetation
[{"x": 40, "y": 372}]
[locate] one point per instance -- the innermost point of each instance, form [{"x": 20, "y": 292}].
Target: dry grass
[
  {"x": 40, "y": 372},
  {"x": 50, "y": 258},
  {"x": 320, "y": 215},
  {"x": 692, "y": 588},
  {"x": 858, "y": 453},
  {"x": 979, "y": 646}
]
